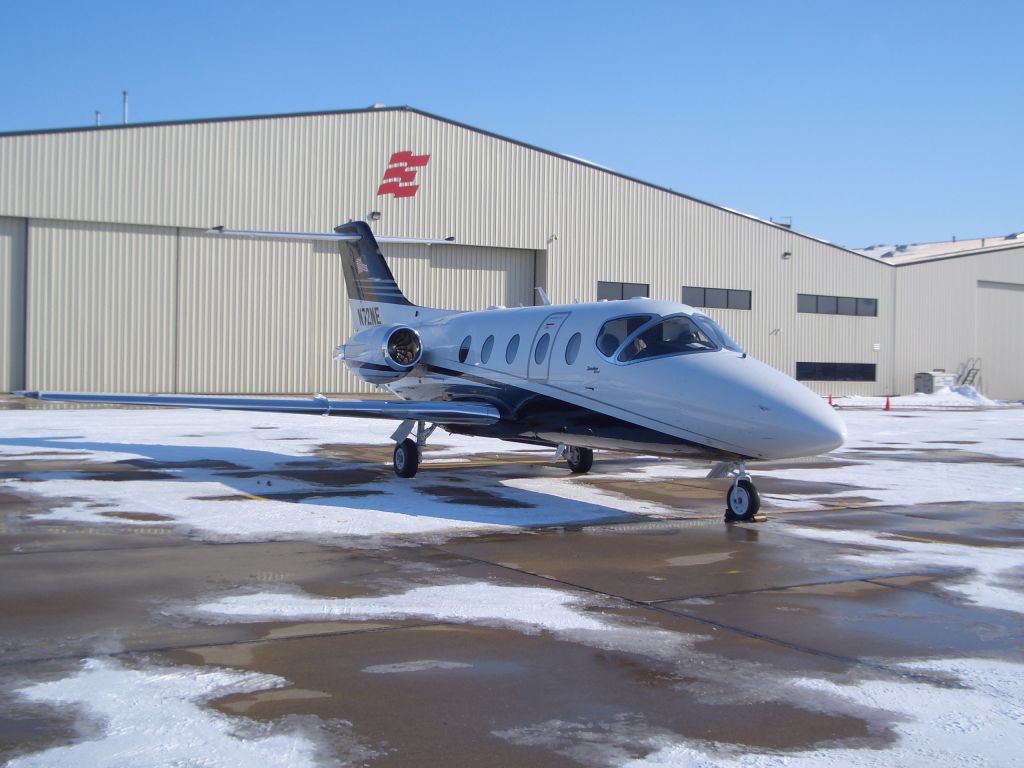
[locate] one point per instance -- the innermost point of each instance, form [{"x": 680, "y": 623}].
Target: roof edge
[{"x": 959, "y": 254}]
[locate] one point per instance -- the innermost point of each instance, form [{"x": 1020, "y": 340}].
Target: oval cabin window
[
  {"x": 572, "y": 349},
  {"x": 512, "y": 349}
]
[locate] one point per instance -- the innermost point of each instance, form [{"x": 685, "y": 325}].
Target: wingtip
[{"x": 34, "y": 394}]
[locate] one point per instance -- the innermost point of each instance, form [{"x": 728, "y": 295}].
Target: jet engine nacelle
[{"x": 382, "y": 355}]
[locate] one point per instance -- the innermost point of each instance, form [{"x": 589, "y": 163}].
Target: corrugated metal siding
[
  {"x": 247, "y": 313},
  {"x": 134, "y": 308},
  {"x": 101, "y": 306},
  {"x": 936, "y": 318},
  {"x": 310, "y": 172},
  {"x": 1000, "y": 342},
  {"x": 12, "y": 304},
  {"x": 267, "y": 316},
  {"x": 947, "y": 316}
]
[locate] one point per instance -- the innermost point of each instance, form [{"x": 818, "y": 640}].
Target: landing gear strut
[
  {"x": 742, "y": 502},
  {"x": 408, "y": 452}
]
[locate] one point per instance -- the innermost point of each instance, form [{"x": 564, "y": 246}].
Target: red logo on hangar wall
[{"x": 400, "y": 175}]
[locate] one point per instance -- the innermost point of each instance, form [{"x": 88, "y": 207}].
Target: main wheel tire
[
  {"x": 742, "y": 502},
  {"x": 406, "y": 458},
  {"x": 580, "y": 459}
]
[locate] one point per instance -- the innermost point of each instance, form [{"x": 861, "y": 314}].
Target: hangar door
[
  {"x": 1001, "y": 345},
  {"x": 266, "y": 316},
  {"x": 159, "y": 309},
  {"x": 463, "y": 276}
]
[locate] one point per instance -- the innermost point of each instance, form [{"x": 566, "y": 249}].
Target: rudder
[{"x": 373, "y": 294}]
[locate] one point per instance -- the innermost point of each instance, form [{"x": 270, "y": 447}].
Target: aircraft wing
[{"x": 402, "y": 410}]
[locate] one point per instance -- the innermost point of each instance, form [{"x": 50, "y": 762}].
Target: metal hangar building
[{"x": 110, "y": 283}]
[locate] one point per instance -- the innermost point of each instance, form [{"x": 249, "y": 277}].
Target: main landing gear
[
  {"x": 742, "y": 502},
  {"x": 407, "y": 450},
  {"x": 580, "y": 460}
]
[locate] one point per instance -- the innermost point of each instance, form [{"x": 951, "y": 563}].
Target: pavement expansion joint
[
  {"x": 875, "y": 580},
  {"x": 168, "y": 647}
]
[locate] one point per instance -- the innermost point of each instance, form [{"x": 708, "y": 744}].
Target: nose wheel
[{"x": 742, "y": 502}]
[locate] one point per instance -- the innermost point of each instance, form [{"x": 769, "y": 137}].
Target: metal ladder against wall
[{"x": 968, "y": 372}]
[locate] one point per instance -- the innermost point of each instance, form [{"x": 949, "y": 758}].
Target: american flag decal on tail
[{"x": 400, "y": 175}]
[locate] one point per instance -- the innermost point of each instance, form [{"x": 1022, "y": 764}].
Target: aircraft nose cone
[
  {"x": 819, "y": 429},
  {"x": 798, "y": 421}
]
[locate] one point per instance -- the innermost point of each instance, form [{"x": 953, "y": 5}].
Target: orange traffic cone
[{"x": 888, "y": 405}]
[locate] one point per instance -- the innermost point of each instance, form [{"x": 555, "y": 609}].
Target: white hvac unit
[{"x": 929, "y": 382}]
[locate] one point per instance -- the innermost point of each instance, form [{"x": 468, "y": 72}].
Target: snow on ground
[
  {"x": 972, "y": 714},
  {"x": 922, "y": 458},
  {"x": 889, "y": 457},
  {"x": 568, "y": 615},
  {"x": 986, "y": 568},
  {"x": 907, "y": 456},
  {"x": 230, "y": 443},
  {"x": 980, "y": 724},
  {"x": 943, "y": 398},
  {"x": 156, "y": 716}
]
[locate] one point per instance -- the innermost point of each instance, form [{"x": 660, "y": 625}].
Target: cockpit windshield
[
  {"x": 717, "y": 332},
  {"x": 675, "y": 335}
]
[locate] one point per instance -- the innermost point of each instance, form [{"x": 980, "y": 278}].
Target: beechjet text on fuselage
[{"x": 641, "y": 376}]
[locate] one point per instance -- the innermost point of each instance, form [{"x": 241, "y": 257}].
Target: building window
[
  {"x": 835, "y": 371},
  {"x": 617, "y": 291},
  {"x": 836, "y": 305},
  {"x": 716, "y": 298}
]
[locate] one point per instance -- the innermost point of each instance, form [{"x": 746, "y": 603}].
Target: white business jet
[{"x": 640, "y": 376}]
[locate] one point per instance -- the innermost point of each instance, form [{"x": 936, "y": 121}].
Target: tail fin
[{"x": 373, "y": 294}]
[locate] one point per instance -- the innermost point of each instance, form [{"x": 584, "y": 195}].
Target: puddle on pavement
[{"x": 483, "y": 681}]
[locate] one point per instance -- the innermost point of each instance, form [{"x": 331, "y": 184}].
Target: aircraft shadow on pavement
[{"x": 470, "y": 494}]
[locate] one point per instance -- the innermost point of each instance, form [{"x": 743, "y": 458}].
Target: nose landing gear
[{"x": 742, "y": 502}]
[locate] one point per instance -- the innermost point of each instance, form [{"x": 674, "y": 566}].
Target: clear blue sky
[{"x": 867, "y": 122}]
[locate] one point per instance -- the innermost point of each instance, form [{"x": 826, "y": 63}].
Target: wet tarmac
[{"x": 750, "y": 609}]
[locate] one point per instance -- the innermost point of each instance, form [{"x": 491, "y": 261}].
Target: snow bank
[{"x": 943, "y": 398}]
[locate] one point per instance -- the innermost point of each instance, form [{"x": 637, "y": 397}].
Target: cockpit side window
[
  {"x": 676, "y": 335},
  {"x": 614, "y": 332}
]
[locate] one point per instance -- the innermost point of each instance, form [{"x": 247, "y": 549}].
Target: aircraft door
[{"x": 543, "y": 343}]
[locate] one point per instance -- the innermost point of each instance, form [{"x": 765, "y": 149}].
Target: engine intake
[{"x": 382, "y": 355}]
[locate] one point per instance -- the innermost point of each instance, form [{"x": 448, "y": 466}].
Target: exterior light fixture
[
  {"x": 786, "y": 254},
  {"x": 373, "y": 215}
]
